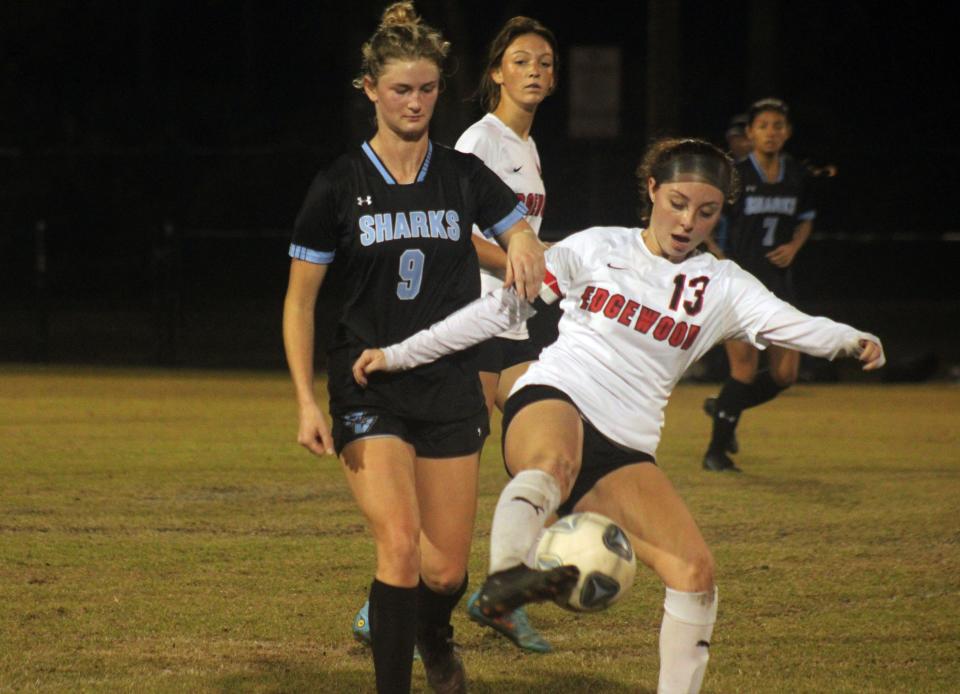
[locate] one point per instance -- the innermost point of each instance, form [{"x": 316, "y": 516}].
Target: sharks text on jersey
[
  {"x": 770, "y": 204},
  {"x": 431, "y": 224}
]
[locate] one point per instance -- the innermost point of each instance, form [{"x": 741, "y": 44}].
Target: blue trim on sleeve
[
  {"x": 812, "y": 214},
  {"x": 518, "y": 213},
  {"x": 375, "y": 160},
  {"x": 426, "y": 162},
  {"x": 310, "y": 255}
]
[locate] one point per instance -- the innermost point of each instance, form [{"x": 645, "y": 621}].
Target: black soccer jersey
[
  {"x": 766, "y": 215},
  {"x": 408, "y": 261}
]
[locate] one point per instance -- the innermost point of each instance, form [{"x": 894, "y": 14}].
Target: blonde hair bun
[{"x": 399, "y": 13}]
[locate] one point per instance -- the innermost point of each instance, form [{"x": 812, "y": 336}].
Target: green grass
[{"x": 162, "y": 532}]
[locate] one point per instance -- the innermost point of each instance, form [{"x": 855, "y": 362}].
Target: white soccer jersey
[
  {"x": 632, "y": 324},
  {"x": 517, "y": 163}
]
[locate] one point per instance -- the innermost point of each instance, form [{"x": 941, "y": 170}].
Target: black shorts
[
  {"x": 429, "y": 439},
  {"x": 600, "y": 455},
  {"x": 500, "y": 353}
]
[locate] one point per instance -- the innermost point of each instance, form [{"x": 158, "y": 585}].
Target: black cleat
[
  {"x": 719, "y": 462},
  {"x": 445, "y": 673},
  {"x": 710, "y": 407},
  {"x": 505, "y": 591}
]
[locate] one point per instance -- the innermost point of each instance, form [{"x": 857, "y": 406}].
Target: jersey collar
[
  {"x": 756, "y": 166},
  {"x": 387, "y": 177}
]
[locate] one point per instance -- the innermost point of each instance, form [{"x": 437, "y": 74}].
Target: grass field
[{"x": 162, "y": 532}]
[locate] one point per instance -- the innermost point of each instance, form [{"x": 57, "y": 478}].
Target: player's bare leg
[
  {"x": 447, "y": 492},
  {"x": 666, "y": 538},
  {"x": 380, "y": 473},
  {"x": 744, "y": 359},
  {"x": 508, "y": 377},
  {"x": 542, "y": 451},
  {"x": 784, "y": 366},
  {"x": 489, "y": 382}
]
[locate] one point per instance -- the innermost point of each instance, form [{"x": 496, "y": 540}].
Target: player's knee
[
  {"x": 559, "y": 465},
  {"x": 447, "y": 581},
  {"x": 398, "y": 551},
  {"x": 743, "y": 371},
  {"x": 784, "y": 368},
  {"x": 692, "y": 573},
  {"x": 786, "y": 383},
  {"x": 785, "y": 377},
  {"x": 699, "y": 571}
]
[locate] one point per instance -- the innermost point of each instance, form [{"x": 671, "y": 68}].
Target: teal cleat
[
  {"x": 361, "y": 625},
  {"x": 515, "y": 626},
  {"x": 361, "y": 628}
]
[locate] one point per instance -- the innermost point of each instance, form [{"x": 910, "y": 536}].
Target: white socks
[
  {"x": 525, "y": 504},
  {"x": 685, "y": 633}
]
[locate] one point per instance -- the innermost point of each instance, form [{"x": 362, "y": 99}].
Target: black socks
[
  {"x": 393, "y": 619},
  {"x": 734, "y": 398},
  {"x": 434, "y": 609},
  {"x": 398, "y": 617}
]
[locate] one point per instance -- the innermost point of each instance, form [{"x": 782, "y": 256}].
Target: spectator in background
[
  {"x": 739, "y": 147},
  {"x": 738, "y": 144}
]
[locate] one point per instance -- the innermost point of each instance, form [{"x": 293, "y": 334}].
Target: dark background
[{"x": 159, "y": 150}]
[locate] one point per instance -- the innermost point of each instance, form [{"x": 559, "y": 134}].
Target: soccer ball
[{"x": 600, "y": 549}]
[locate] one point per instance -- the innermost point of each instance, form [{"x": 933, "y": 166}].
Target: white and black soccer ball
[{"x": 600, "y": 549}]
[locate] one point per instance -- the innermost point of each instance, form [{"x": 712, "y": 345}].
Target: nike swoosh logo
[
  {"x": 615, "y": 267},
  {"x": 517, "y": 169},
  {"x": 538, "y": 509}
]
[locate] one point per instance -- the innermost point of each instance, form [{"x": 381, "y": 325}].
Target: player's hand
[
  {"x": 314, "y": 432},
  {"x": 525, "y": 264},
  {"x": 371, "y": 360},
  {"x": 871, "y": 354},
  {"x": 782, "y": 256}
]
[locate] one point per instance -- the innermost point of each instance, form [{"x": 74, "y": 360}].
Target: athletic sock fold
[{"x": 685, "y": 634}]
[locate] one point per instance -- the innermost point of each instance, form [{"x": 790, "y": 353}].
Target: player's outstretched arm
[
  {"x": 525, "y": 263},
  {"x": 821, "y": 337},
  {"x": 479, "y": 320}
]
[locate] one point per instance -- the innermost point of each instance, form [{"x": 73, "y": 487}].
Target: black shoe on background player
[
  {"x": 710, "y": 407},
  {"x": 718, "y": 461},
  {"x": 505, "y": 591},
  {"x": 445, "y": 673}
]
